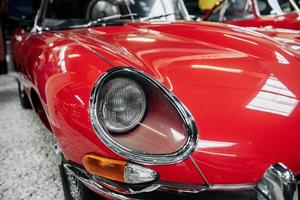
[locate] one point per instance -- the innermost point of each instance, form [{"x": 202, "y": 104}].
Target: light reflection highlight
[
  {"x": 73, "y": 56},
  {"x": 284, "y": 40},
  {"x": 240, "y": 39},
  {"x": 62, "y": 62},
  {"x": 177, "y": 136},
  {"x": 281, "y": 59},
  {"x": 274, "y": 98},
  {"x": 223, "y": 69},
  {"x": 170, "y": 84},
  {"x": 208, "y": 144},
  {"x": 140, "y": 39},
  {"x": 295, "y": 47},
  {"x": 218, "y": 154},
  {"x": 155, "y": 131},
  {"x": 79, "y": 99},
  {"x": 274, "y": 85}
]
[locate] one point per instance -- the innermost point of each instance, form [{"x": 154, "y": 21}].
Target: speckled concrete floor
[{"x": 27, "y": 163}]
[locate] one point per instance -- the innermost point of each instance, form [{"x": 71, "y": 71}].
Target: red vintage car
[
  {"x": 146, "y": 104},
  {"x": 257, "y": 13}
]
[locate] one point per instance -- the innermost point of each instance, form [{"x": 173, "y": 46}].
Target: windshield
[
  {"x": 72, "y": 13},
  {"x": 276, "y": 7}
]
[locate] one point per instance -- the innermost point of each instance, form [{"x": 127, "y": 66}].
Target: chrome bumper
[{"x": 278, "y": 183}]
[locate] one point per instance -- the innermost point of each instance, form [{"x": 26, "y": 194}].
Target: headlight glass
[
  {"x": 139, "y": 119},
  {"x": 122, "y": 105}
]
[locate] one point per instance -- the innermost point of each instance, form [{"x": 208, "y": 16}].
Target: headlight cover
[
  {"x": 122, "y": 105},
  {"x": 140, "y": 120}
]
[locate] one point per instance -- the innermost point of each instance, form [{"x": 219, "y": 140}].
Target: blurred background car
[
  {"x": 242, "y": 13},
  {"x": 257, "y": 13}
]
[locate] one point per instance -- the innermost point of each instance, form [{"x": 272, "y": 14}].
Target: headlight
[
  {"x": 122, "y": 105},
  {"x": 139, "y": 119}
]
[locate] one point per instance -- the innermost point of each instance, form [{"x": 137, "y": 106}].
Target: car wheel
[
  {"x": 73, "y": 188},
  {"x": 24, "y": 100}
]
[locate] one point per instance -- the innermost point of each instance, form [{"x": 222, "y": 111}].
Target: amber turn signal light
[
  {"x": 105, "y": 167},
  {"x": 118, "y": 170}
]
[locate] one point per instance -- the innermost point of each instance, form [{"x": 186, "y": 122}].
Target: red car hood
[{"x": 242, "y": 89}]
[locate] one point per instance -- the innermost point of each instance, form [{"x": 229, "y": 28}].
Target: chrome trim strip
[
  {"x": 186, "y": 188},
  {"x": 199, "y": 170},
  {"x": 282, "y": 185},
  {"x": 149, "y": 159},
  {"x": 36, "y": 27},
  {"x": 98, "y": 183},
  {"x": 297, "y": 9},
  {"x": 232, "y": 187},
  {"x": 101, "y": 186},
  {"x": 185, "y": 10}
]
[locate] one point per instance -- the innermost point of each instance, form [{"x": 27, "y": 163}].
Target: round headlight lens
[{"x": 122, "y": 105}]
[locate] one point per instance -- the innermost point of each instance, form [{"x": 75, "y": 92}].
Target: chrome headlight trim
[{"x": 141, "y": 158}]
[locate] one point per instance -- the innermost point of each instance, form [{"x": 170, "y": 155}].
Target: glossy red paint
[
  {"x": 286, "y": 21},
  {"x": 288, "y": 37},
  {"x": 241, "y": 87}
]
